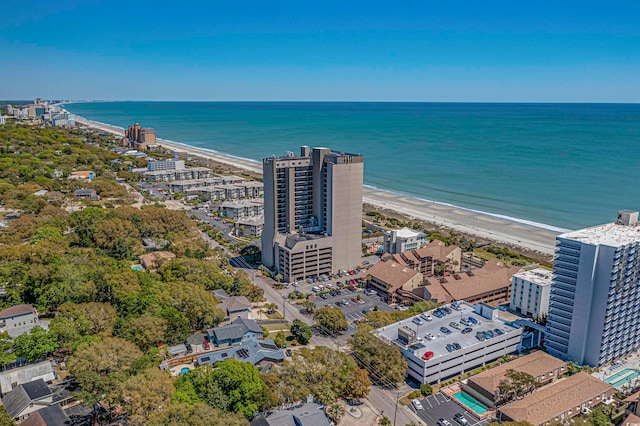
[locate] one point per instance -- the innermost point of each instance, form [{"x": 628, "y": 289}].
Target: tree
[
  {"x": 385, "y": 421},
  {"x": 335, "y": 412},
  {"x": 143, "y": 394},
  {"x": 308, "y": 305},
  {"x": 331, "y": 319},
  {"x": 241, "y": 382},
  {"x": 425, "y": 389},
  {"x": 256, "y": 294},
  {"x": 515, "y": 385},
  {"x": 280, "y": 339},
  {"x": 6, "y": 357},
  {"x": 358, "y": 387},
  {"x": 35, "y": 345},
  {"x": 118, "y": 238},
  {"x": 301, "y": 332},
  {"x": 178, "y": 414},
  {"x": 98, "y": 317},
  {"x": 5, "y": 420},
  {"x": 146, "y": 331},
  {"x": 251, "y": 253},
  {"x": 384, "y": 361},
  {"x": 600, "y": 416},
  {"x": 279, "y": 277},
  {"x": 99, "y": 366}
]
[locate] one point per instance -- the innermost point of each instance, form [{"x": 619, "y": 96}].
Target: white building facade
[
  {"x": 594, "y": 308},
  {"x": 401, "y": 240},
  {"x": 530, "y": 292}
]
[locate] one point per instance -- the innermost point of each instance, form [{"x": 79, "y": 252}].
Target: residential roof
[
  {"x": 235, "y": 304},
  {"x": 493, "y": 276},
  {"x": 238, "y": 328},
  {"x": 17, "y": 310},
  {"x": 149, "y": 258},
  {"x": 220, "y": 294},
  {"x": 407, "y": 233},
  {"x": 18, "y": 399},
  {"x": 550, "y": 401},
  {"x": 252, "y": 351},
  {"x": 42, "y": 370},
  {"x": 630, "y": 420},
  {"x": 84, "y": 192},
  {"x": 308, "y": 414},
  {"x": 392, "y": 273},
  {"x": 535, "y": 364},
  {"x": 177, "y": 349},
  {"x": 49, "y": 416}
]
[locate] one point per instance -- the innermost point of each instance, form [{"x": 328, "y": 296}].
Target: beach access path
[{"x": 482, "y": 225}]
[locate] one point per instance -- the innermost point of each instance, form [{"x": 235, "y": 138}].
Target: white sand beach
[{"x": 490, "y": 227}]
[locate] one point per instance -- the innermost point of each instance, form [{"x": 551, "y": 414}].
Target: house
[
  {"x": 53, "y": 415},
  {"x": 239, "y": 331},
  {"x": 559, "y": 401},
  {"x": 20, "y": 375},
  {"x": 84, "y": 175},
  {"x": 543, "y": 367},
  {"x": 26, "y": 399},
  {"x": 254, "y": 352},
  {"x": 154, "y": 260},
  {"x": 305, "y": 414},
  {"x": 388, "y": 278},
  {"x": 19, "y": 317},
  {"x": 220, "y": 294},
  {"x": 86, "y": 194},
  {"x": 235, "y": 307}
]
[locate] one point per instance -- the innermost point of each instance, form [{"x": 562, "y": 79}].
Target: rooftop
[
  {"x": 253, "y": 220},
  {"x": 252, "y": 351},
  {"x": 407, "y": 233},
  {"x": 610, "y": 234},
  {"x": 550, "y": 401},
  {"x": 535, "y": 364},
  {"x": 235, "y": 330},
  {"x": 392, "y": 273},
  {"x": 439, "y": 345},
  {"x": 538, "y": 276},
  {"x": 49, "y": 416},
  {"x": 17, "y": 310},
  {"x": 242, "y": 203},
  {"x": 308, "y": 414}
]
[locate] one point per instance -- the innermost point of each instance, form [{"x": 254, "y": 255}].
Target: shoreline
[{"x": 538, "y": 238}]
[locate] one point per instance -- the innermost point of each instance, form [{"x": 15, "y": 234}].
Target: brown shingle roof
[
  {"x": 536, "y": 364},
  {"x": 149, "y": 258},
  {"x": 550, "y": 401},
  {"x": 631, "y": 420},
  {"x": 435, "y": 250},
  {"x": 17, "y": 310},
  {"x": 493, "y": 276},
  {"x": 392, "y": 273}
]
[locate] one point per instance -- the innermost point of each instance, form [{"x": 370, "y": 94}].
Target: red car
[
  {"x": 355, "y": 300},
  {"x": 206, "y": 345},
  {"x": 352, "y": 288},
  {"x": 427, "y": 355}
]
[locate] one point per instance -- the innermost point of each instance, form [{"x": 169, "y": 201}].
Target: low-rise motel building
[{"x": 434, "y": 354}]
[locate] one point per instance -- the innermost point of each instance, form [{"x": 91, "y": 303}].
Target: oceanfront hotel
[
  {"x": 594, "y": 309},
  {"x": 312, "y": 212}
]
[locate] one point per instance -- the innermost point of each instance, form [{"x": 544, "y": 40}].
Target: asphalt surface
[{"x": 439, "y": 406}]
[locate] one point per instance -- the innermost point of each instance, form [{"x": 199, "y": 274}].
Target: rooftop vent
[{"x": 627, "y": 218}]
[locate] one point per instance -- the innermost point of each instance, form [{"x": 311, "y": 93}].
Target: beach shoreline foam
[{"x": 528, "y": 235}]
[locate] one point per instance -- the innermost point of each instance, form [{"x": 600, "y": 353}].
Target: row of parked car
[{"x": 488, "y": 334}]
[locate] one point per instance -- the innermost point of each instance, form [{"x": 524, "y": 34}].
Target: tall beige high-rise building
[{"x": 313, "y": 212}]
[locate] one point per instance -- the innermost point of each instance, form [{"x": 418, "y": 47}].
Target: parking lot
[
  {"x": 355, "y": 310},
  {"x": 438, "y": 406}
]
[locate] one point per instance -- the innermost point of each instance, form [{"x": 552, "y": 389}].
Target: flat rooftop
[
  {"x": 439, "y": 345},
  {"x": 610, "y": 234},
  {"x": 242, "y": 203},
  {"x": 539, "y": 276}
]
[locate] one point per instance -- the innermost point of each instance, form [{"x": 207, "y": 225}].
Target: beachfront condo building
[
  {"x": 401, "y": 240},
  {"x": 594, "y": 308},
  {"x": 530, "y": 292},
  {"x": 313, "y": 212}
]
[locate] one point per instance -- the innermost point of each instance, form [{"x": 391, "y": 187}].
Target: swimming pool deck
[
  {"x": 455, "y": 389},
  {"x": 624, "y": 372}
]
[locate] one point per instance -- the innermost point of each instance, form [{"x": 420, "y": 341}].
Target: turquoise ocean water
[{"x": 565, "y": 165}]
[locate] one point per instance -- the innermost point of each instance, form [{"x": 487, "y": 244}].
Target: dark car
[
  {"x": 445, "y": 330},
  {"x": 467, "y": 330},
  {"x": 498, "y": 332},
  {"x": 472, "y": 320},
  {"x": 480, "y": 336},
  {"x": 446, "y": 310},
  {"x": 486, "y": 335},
  {"x": 324, "y": 296},
  {"x": 438, "y": 314},
  {"x": 457, "y": 346},
  {"x": 460, "y": 419},
  {"x": 450, "y": 348}
]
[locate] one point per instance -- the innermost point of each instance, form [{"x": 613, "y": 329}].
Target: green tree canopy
[{"x": 331, "y": 319}]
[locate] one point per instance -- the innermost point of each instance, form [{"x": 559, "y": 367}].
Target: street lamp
[
  {"x": 284, "y": 306},
  {"x": 395, "y": 414}
]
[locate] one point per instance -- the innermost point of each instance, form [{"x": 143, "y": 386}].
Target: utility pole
[{"x": 395, "y": 414}]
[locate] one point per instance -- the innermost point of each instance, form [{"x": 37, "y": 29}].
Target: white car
[
  {"x": 430, "y": 336},
  {"x": 417, "y": 404}
]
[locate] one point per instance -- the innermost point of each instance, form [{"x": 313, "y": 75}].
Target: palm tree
[{"x": 335, "y": 412}]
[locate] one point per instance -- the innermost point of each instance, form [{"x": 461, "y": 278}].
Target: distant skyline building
[
  {"x": 139, "y": 135},
  {"x": 313, "y": 212},
  {"x": 594, "y": 309}
]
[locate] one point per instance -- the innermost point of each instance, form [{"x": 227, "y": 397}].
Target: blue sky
[{"x": 488, "y": 51}]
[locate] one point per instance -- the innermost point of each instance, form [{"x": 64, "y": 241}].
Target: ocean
[{"x": 564, "y": 165}]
